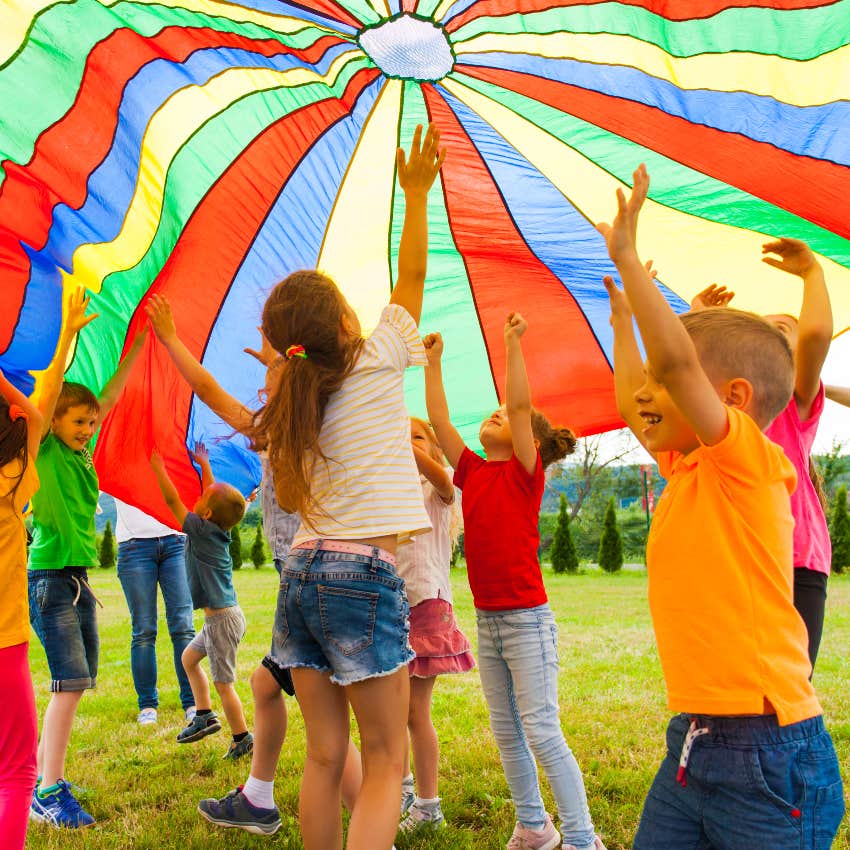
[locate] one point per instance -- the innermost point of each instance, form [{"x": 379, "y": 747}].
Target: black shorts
[{"x": 281, "y": 675}]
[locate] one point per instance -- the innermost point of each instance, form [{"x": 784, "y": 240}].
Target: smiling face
[
  {"x": 75, "y": 427},
  {"x": 495, "y": 433},
  {"x": 788, "y": 325},
  {"x": 664, "y": 427}
]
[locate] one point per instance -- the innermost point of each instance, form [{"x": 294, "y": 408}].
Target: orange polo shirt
[{"x": 720, "y": 565}]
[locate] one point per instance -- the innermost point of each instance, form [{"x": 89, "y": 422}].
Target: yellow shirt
[
  {"x": 720, "y": 565},
  {"x": 14, "y": 607}
]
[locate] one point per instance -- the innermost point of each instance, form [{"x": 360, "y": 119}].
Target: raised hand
[
  {"x": 201, "y": 455},
  {"x": 162, "y": 321},
  {"x": 267, "y": 353},
  {"x": 515, "y": 326},
  {"x": 433, "y": 347},
  {"x": 76, "y": 306},
  {"x": 620, "y": 307},
  {"x": 621, "y": 234},
  {"x": 795, "y": 256},
  {"x": 417, "y": 171},
  {"x": 712, "y": 296}
]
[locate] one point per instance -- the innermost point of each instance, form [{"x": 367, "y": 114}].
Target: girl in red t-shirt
[{"x": 517, "y": 635}]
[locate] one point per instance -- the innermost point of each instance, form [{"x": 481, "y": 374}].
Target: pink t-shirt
[{"x": 812, "y": 547}]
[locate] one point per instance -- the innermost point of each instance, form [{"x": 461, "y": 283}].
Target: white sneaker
[
  {"x": 190, "y": 713},
  {"x": 422, "y": 818},
  {"x": 147, "y": 717}
]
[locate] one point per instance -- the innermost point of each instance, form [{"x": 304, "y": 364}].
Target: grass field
[{"x": 143, "y": 788}]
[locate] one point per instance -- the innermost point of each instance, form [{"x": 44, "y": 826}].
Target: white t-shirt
[
  {"x": 369, "y": 486},
  {"x": 132, "y": 523},
  {"x": 425, "y": 561}
]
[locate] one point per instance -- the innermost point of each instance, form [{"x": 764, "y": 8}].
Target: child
[
  {"x": 796, "y": 426},
  {"x": 64, "y": 547},
  {"x": 252, "y": 806},
  {"x": 439, "y": 644},
  {"x": 20, "y": 434},
  {"x": 749, "y": 763},
  {"x": 840, "y": 395},
  {"x": 339, "y": 449},
  {"x": 517, "y": 635},
  {"x": 209, "y": 569}
]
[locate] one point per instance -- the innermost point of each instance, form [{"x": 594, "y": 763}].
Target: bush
[
  {"x": 236, "y": 547},
  {"x": 839, "y": 531},
  {"x": 611, "y": 544},
  {"x": 107, "y": 547},
  {"x": 563, "y": 552},
  {"x": 258, "y": 549}
]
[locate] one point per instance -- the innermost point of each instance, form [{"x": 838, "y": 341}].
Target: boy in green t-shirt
[{"x": 62, "y": 605}]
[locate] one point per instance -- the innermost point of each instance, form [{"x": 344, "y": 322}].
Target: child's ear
[
  {"x": 207, "y": 513},
  {"x": 739, "y": 394},
  {"x": 537, "y": 444}
]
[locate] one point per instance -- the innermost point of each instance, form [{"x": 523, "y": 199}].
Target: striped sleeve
[{"x": 396, "y": 339}]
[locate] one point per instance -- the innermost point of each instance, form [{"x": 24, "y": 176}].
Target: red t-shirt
[{"x": 501, "y": 507}]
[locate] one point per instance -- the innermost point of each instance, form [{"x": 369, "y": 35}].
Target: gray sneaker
[
  {"x": 422, "y": 818},
  {"x": 199, "y": 727},
  {"x": 237, "y": 749},
  {"x": 235, "y": 810}
]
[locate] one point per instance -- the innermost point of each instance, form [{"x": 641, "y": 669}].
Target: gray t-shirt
[
  {"x": 209, "y": 567},
  {"x": 278, "y": 525}
]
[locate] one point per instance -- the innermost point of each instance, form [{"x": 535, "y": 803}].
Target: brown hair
[
  {"x": 433, "y": 444},
  {"x": 226, "y": 504},
  {"x": 75, "y": 395},
  {"x": 817, "y": 483},
  {"x": 13, "y": 445},
  {"x": 306, "y": 309},
  {"x": 735, "y": 344},
  {"x": 555, "y": 443}
]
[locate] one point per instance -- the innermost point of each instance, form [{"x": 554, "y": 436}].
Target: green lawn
[{"x": 143, "y": 787}]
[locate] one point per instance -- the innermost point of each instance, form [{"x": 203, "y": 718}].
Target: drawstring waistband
[
  {"x": 694, "y": 732},
  {"x": 80, "y": 582}
]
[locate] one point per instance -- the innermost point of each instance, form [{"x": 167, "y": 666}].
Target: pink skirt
[{"x": 440, "y": 646}]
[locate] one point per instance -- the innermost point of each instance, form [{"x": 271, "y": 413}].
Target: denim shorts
[
  {"x": 750, "y": 783},
  {"x": 63, "y": 615},
  {"x": 342, "y": 613}
]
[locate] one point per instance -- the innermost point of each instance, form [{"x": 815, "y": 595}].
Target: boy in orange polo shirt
[{"x": 749, "y": 763}]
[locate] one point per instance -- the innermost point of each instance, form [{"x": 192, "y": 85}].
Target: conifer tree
[
  {"x": 236, "y": 547},
  {"x": 258, "y": 549},
  {"x": 563, "y": 553},
  {"x": 611, "y": 543},
  {"x": 839, "y": 531},
  {"x": 107, "y": 547}
]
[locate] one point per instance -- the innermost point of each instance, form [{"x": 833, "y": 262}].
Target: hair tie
[
  {"x": 295, "y": 351},
  {"x": 16, "y": 412}
]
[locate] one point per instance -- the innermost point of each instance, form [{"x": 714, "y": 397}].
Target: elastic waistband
[
  {"x": 751, "y": 729},
  {"x": 347, "y": 547},
  {"x": 224, "y": 613}
]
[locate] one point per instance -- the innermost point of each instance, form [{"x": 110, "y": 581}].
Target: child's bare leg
[
  {"x": 352, "y": 776},
  {"x": 269, "y": 724},
  {"x": 232, "y": 707},
  {"x": 197, "y": 678},
  {"x": 426, "y": 747},
  {"x": 56, "y": 735}
]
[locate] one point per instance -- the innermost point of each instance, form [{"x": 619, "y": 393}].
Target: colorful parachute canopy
[{"x": 204, "y": 149}]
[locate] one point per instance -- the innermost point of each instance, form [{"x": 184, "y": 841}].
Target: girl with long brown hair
[{"x": 338, "y": 440}]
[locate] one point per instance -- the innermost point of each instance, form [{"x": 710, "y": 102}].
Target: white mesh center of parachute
[{"x": 409, "y": 48}]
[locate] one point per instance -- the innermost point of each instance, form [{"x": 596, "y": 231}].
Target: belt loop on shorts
[
  {"x": 316, "y": 546},
  {"x": 374, "y": 567},
  {"x": 694, "y": 732}
]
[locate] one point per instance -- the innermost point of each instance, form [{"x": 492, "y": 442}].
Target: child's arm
[
  {"x": 203, "y": 384},
  {"x": 110, "y": 394},
  {"x": 450, "y": 441},
  {"x": 814, "y": 328},
  {"x": 840, "y": 395},
  {"x": 628, "y": 365},
  {"x": 14, "y": 396},
  {"x": 75, "y": 320},
  {"x": 670, "y": 351},
  {"x": 518, "y": 394},
  {"x": 712, "y": 296},
  {"x": 416, "y": 175},
  {"x": 169, "y": 491},
  {"x": 202, "y": 457},
  {"x": 436, "y": 474}
]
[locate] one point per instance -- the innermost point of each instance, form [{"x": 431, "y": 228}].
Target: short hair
[
  {"x": 75, "y": 395},
  {"x": 736, "y": 344},
  {"x": 226, "y": 504}
]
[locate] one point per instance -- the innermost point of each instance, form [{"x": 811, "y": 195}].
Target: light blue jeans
[{"x": 518, "y": 664}]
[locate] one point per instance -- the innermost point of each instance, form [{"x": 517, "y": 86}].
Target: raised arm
[
  {"x": 110, "y": 394},
  {"x": 450, "y": 441},
  {"x": 669, "y": 349},
  {"x": 814, "y": 328},
  {"x": 203, "y": 384},
  {"x": 169, "y": 491},
  {"x": 840, "y": 395},
  {"x": 75, "y": 320},
  {"x": 416, "y": 174},
  {"x": 202, "y": 457},
  {"x": 15, "y": 398},
  {"x": 518, "y": 394}
]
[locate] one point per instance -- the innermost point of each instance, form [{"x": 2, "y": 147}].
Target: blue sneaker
[
  {"x": 235, "y": 810},
  {"x": 59, "y": 808}
]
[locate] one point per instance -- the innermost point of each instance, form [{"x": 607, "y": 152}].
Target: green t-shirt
[{"x": 63, "y": 508}]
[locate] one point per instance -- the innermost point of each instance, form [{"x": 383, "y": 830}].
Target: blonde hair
[{"x": 226, "y": 504}]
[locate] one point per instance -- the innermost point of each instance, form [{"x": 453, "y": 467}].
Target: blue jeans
[
  {"x": 142, "y": 564},
  {"x": 518, "y": 665},
  {"x": 750, "y": 783}
]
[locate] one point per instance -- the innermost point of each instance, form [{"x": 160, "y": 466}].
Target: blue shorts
[
  {"x": 342, "y": 613},
  {"x": 63, "y": 615},
  {"x": 750, "y": 783}
]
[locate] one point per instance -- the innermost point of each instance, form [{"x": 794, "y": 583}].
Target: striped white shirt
[{"x": 369, "y": 486}]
